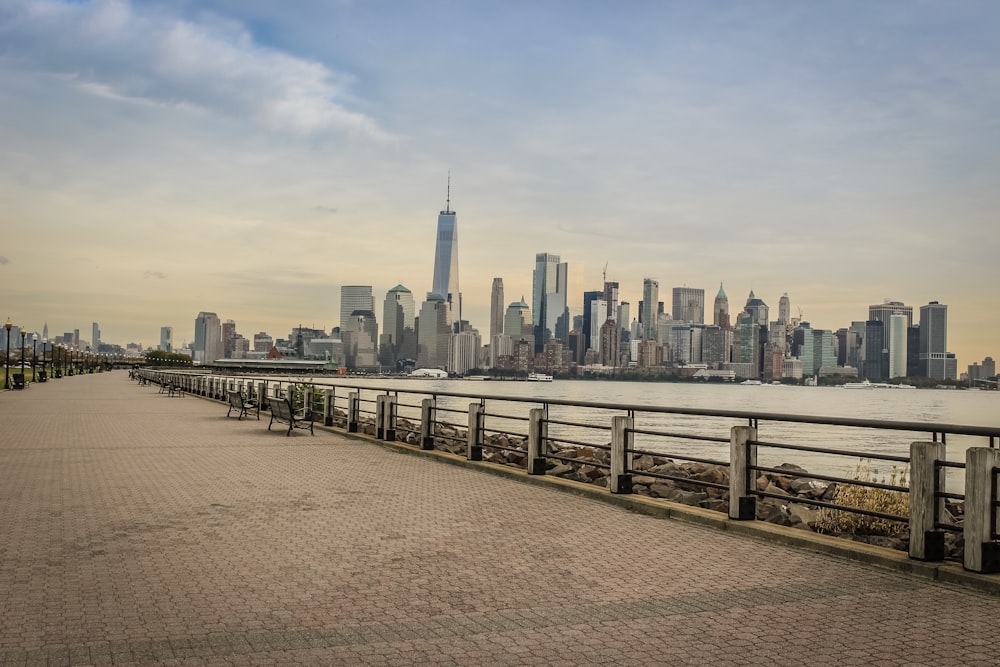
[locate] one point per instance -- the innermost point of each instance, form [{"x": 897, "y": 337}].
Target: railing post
[
  {"x": 926, "y": 479},
  {"x": 307, "y": 400},
  {"x": 389, "y": 418},
  {"x": 474, "y": 442},
  {"x": 620, "y": 480},
  {"x": 353, "y": 407},
  {"x": 538, "y": 434},
  {"x": 328, "y": 396},
  {"x": 262, "y": 395},
  {"x": 380, "y": 417},
  {"x": 427, "y": 416},
  {"x": 982, "y": 554},
  {"x": 742, "y": 483}
]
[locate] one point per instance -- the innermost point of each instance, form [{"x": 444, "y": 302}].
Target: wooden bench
[
  {"x": 281, "y": 411},
  {"x": 242, "y": 405},
  {"x": 171, "y": 389}
]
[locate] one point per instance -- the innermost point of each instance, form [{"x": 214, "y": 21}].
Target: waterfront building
[
  {"x": 876, "y": 363},
  {"x": 166, "y": 339},
  {"x": 95, "y": 337},
  {"x": 241, "y": 347},
  {"x": 359, "y": 338},
  {"x": 648, "y": 308},
  {"x": 207, "y": 338},
  {"x": 803, "y": 347},
  {"x": 352, "y": 298},
  {"x": 791, "y": 368},
  {"x": 445, "y": 280},
  {"x": 774, "y": 363},
  {"x": 746, "y": 346},
  {"x": 935, "y": 360},
  {"x": 913, "y": 351},
  {"x": 856, "y": 345},
  {"x": 463, "y": 352},
  {"x": 989, "y": 367},
  {"x": 824, "y": 352},
  {"x": 897, "y": 345},
  {"x": 688, "y": 305},
  {"x": 649, "y": 353},
  {"x": 720, "y": 309},
  {"x": 577, "y": 346}
]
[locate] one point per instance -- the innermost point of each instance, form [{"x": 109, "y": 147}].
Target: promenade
[{"x": 141, "y": 528}]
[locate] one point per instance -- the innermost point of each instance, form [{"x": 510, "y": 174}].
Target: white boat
[
  {"x": 752, "y": 382},
  {"x": 858, "y": 385},
  {"x": 539, "y": 377}
]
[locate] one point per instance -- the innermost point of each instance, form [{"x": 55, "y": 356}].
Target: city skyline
[{"x": 839, "y": 155}]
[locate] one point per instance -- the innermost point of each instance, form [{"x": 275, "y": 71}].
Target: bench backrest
[
  {"x": 236, "y": 399},
  {"x": 280, "y": 408}
]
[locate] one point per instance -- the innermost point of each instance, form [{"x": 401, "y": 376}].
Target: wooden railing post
[
  {"x": 620, "y": 480},
  {"x": 380, "y": 417},
  {"x": 926, "y": 479},
  {"x": 262, "y": 395},
  {"x": 389, "y": 418},
  {"x": 742, "y": 480},
  {"x": 538, "y": 434},
  {"x": 353, "y": 409},
  {"x": 474, "y": 437},
  {"x": 982, "y": 553}
]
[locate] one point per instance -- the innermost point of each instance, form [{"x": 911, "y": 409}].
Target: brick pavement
[{"x": 136, "y": 527}]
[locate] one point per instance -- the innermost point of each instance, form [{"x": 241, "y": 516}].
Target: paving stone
[{"x": 144, "y": 529}]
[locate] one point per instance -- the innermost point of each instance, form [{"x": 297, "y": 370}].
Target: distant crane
[{"x": 604, "y": 273}]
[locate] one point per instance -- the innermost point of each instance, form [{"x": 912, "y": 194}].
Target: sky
[{"x": 161, "y": 158}]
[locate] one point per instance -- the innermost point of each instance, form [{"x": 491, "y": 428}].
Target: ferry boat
[
  {"x": 539, "y": 377},
  {"x": 858, "y": 385}
]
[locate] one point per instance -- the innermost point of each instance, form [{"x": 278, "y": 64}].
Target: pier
[{"x": 141, "y": 527}]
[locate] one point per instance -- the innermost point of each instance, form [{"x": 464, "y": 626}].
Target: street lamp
[
  {"x": 23, "y": 333},
  {"x": 45, "y": 344},
  {"x": 34, "y": 355},
  {"x": 6, "y": 362}
]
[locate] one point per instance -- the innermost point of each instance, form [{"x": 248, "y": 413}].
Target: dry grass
[{"x": 876, "y": 500}]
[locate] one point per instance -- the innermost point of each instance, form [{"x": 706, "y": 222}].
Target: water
[{"x": 975, "y": 408}]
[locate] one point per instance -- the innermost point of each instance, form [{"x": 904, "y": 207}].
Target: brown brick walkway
[{"x": 136, "y": 527}]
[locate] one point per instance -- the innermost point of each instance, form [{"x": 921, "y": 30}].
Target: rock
[
  {"x": 591, "y": 472},
  {"x": 775, "y": 489},
  {"x": 644, "y": 462},
  {"x": 644, "y": 480},
  {"x": 666, "y": 468},
  {"x": 686, "y": 497},
  {"x": 660, "y": 489},
  {"x": 804, "y": 514},
  {"x": 813, "y": 488},
  {"x": 560, "y": 469},
  {"x": 713, "y": 474},
  {"x": 792, "y": 468},
  {"x": 716, "y": 505}
]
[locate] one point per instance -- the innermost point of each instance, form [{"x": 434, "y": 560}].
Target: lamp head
[{"x": 8, "y": 325}]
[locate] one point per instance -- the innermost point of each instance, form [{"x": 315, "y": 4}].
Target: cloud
[
  {"x": 111, "y": 50},
  {"x": 154, "y": 274}
]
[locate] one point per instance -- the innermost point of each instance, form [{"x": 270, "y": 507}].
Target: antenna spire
[{"x": 447, "y": 205}]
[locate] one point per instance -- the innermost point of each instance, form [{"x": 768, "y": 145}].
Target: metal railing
[{"x": 711, "y": 458}]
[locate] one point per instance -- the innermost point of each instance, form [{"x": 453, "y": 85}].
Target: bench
[
  {"x": 242, "y": 405},
  {"x": 170, "y": 389},
  {"x": 281, "y": 411}
]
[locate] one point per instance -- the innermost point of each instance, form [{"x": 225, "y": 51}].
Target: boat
[
  {"x": 858, "y": 385},
  {"x": 539, "y": 377},
  {"x": 752, "y": 382}
]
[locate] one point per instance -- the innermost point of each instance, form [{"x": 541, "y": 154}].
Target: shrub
[{"x": 867, "y": 498}]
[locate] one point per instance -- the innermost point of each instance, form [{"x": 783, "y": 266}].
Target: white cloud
[{"x": 114, "y": 51}]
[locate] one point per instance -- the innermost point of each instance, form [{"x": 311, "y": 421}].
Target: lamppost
[
  {"x": 23, "y": 333},
  {"x": 6, "y": 362},
  {"x": 45, "y": 344},
  {"x": 34, "y": 355}
]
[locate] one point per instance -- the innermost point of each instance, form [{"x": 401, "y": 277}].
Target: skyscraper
[
  {"x": 398, "y": 311},
  {"x": 784, "y": 309},
  {"x": 611, "y": 298},
  {"x": 95, "y": 338},
  {"x": 543, "y": 282},
  {"x": 228, "y": 338},
  {"x": 883, "y": 311},
  {"x": 354, "y": 297},
  {"x": 496, "y": 308},
  {"x": 434, "y": 331},
  {"x": 649, "y": 306},
  {"x": 721, "y": 310},
  {"x": 688, "y": 305},
  {"x": 207, "y": 338},
  {"x": 166, "y": 339},
  {"x": 896, "y": 329},
  {"x": 445, "y": 282},
  {"x": 517, "y": 322},
  {"x": 935, "y": 360}
]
